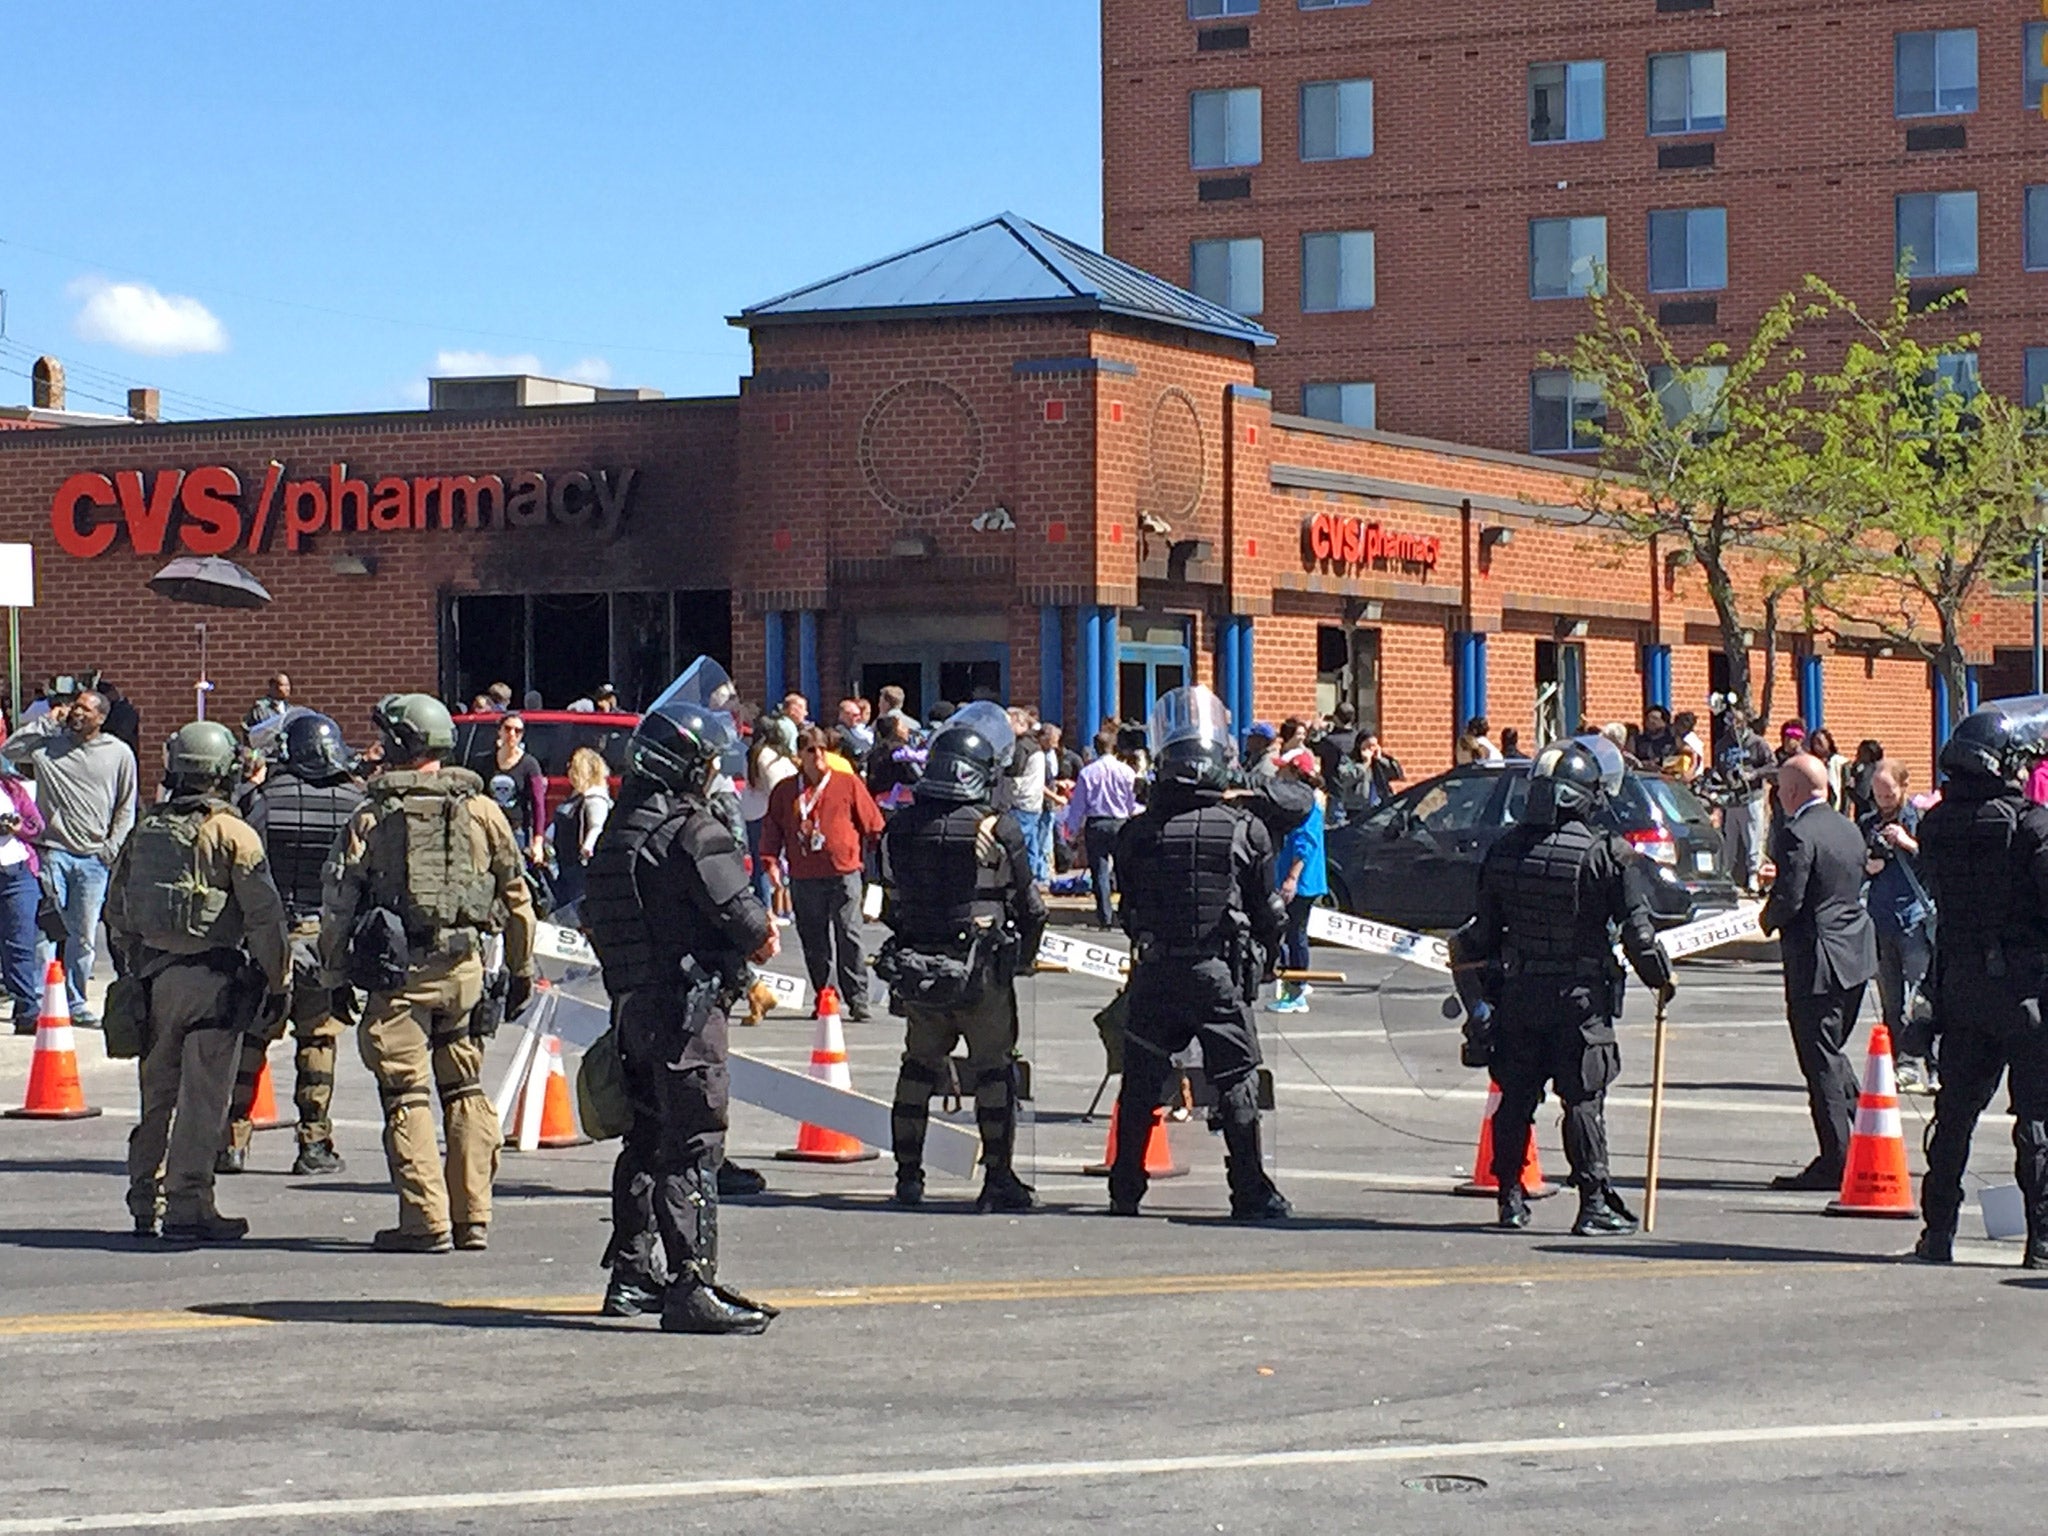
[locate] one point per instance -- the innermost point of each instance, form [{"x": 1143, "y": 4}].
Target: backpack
[{"x": 422, "y": 862}]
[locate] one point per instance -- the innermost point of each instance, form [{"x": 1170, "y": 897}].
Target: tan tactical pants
[
  {"x": 415, "y": 1041},
  {"x": 188, "y": 1076}
]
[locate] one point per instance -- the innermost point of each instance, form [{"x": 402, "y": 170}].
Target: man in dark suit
[{"x": 1829, "y": 949}]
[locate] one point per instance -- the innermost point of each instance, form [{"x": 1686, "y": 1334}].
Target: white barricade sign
[
  {"x": 551, "y": 941},
  {"x": 789, "y": 990},
  {"x": 1712, "y": 932},
  {"x": 1362, "y": 933},
  {"x": 1083, "y": 956},
  {"x": 792, "y": 1093}
]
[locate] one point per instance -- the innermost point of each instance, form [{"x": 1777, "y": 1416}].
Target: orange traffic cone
[
  {"x": 263, "y": 1115},
  {"x": 814, "y": 1143},
  {"x": 1159, "y": 1163},
  {"x": 1483, "y": 1181},
  {"x": 54, "y": 1092},
  {"x": 557, "y": 1107},
  {"x": 1875, "y": 1181}
]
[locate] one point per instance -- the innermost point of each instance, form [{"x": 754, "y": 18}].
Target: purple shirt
[{"x": 1106, "y": 788}]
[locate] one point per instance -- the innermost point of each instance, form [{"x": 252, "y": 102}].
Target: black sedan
[{"x": 1414, "y": 860}]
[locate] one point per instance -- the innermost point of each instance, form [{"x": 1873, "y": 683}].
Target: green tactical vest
[
  {"x": 419, "y": 855},
  {"x": 169, "y": 897}
]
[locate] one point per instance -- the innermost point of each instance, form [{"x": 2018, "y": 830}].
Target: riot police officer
[
  {"x": 299, "y": 811},
  {"x": 200, "y": 935},
  {"x": 423, "y": 873},
  {"x": 966, "y": 917},
  {"x": 1984, "y": 853},
  {"x": 1196, "y": 876},
  {"x": 673, "y": 917},
  {"x": 1553, "y": 894}
]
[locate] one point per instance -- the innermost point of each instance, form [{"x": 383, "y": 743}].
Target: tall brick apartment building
[
  {"x": 997, "y": 464},
  {"x": 1413, "y": 194}
]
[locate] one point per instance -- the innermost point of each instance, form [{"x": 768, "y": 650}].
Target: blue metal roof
[{"x": 1003, "y": 265}]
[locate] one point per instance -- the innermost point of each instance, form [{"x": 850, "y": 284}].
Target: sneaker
[
  {"x": 318, "y": 1157},
  {"x": 1909, "y": 1074},
  {"x": 1514, "y": 1209},
  {"x": 1268, "y": 1206},
  {"x": 1934, "y": 1248},
  {"x": 1282, "y": 1000},
  {"x": 402, "y": 1240},
  {"x": 1816, "y": 1177},
  {"x": 472, "y": 1236}
]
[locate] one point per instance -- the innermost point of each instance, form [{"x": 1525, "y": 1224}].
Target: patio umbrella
[{"x": 209, "y": 581}]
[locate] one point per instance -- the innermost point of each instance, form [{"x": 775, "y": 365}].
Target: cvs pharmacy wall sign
[
  {"x": 1341, "y": 539},
  {"x": 207, "y": 510}
]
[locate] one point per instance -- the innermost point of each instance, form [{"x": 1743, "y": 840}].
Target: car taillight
[{"x": 1654, "y": 843}]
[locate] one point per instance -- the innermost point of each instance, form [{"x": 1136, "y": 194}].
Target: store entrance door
[
  {"x": 1152, "y": 659},
  {"x": 955, "y": 657}
]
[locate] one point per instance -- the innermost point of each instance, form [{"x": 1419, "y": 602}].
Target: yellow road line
[{"x": 945, "y": 1293}]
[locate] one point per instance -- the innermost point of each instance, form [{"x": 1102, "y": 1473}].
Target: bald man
[{"x": 1829, "y": 949}]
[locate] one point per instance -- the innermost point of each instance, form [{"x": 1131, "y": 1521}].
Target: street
[{"x": 1751, "y": 1366}]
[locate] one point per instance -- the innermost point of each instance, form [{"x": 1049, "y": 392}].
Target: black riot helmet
[
  {"x": 688, "y": 735},
  {"x": 967, "y": 755},
  {"x": 2001, "y": 741},
  {"x": 1570, "y": 779},
  {"x": 312, "y": 747},
  {"x": 1189, "y": 737}
]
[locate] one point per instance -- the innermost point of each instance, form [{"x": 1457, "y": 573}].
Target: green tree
[
  {"x": 1925, "y": 491},
  {"x": 1696, "y": 451}
]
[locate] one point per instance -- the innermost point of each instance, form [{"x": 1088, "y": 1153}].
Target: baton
[{"x": 1656, "y": 1123}]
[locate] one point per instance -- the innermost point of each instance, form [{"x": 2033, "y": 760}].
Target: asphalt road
[{"x": 1753, "y": 1365}]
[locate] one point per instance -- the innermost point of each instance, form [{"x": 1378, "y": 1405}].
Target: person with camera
[
  {"x": 966, "y": 917},
  {"x": 422, "y": 874},
  {"x": 199, "y": 932},
  {"x": 1904, "y": 918},
  {"x": 1742, "y": 764}
]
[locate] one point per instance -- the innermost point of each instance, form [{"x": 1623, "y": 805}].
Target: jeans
[
  {"x": 20, "y": 894},
  {"x": 762, "y": 888},
  {"x": 1294, "y": 942},
  {"x": 1038, "y": 835},
  {"x": 1099, "y": 833},
  {"x": 78, "y": 881},
  {"x": 1903, "y": 955}
]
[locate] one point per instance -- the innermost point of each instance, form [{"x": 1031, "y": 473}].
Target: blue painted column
[
  {"x": 1247, "y": 692},
  {"x": 1468, "y": 681},
  {"x": 1937, "y": 693},
  {"x": 1106, "y": 650},
  {"x": 807, "y": 663},
  {"x": 1226, "y": 668},
  {"x": 1812, "y": 691},
  {"x": 1087, "y": 679},
  {"x": 1052, "y": 677},
  {"x": 776, "y": 635},
  {"x": 1972, "y": 698},
  {"x": 1657, "y": 676}
]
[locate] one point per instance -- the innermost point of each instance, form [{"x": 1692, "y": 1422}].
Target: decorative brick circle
[
  {"x": 1178, "y": 463},
  {"x": 921, "y": 448}
]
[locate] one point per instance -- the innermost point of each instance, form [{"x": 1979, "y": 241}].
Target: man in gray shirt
[{"x": 85, "y": 788}]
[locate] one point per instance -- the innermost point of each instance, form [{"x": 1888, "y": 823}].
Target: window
[
  {"x": 1330, "y": 5},
  {"x": 1223, "y": 128},
  {"x": 1937, "y": 234},
  {"x": 1205, "y": 10},
  {"x": 1336, "y": 120},
  {"x": 1689, "y": 92},
  {"x": 2037, "y": 229},
  {"x": 1957, "y": 371},
  {"x": 1934, "y": 72},
  {"x": 1230, "y": 272},
  {"x": 1564, "y": 413},
  {"x": 1692, "y": 393},
  {"x": 1337, "y": 271},
  {"x": 1355, "y": 405},
  {"x": 2036, "y": 66},
  {"x": 2035, "y": 392},
  {"x": 1688, "y": 250},
  {"x": 1567, "y": 257},
  {"x": 1568, "y": 102}
]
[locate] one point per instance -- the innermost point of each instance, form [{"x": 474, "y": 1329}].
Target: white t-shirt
[
  {"x": 1027, "y": 789},
  {"x": 773, "y": 770}
]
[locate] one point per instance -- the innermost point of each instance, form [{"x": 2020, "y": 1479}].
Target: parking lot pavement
[{"x": 1751, "y": 1362}]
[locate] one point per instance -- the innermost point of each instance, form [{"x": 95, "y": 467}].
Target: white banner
[
  {"x": 789, "y": 990},
  {"x": 1373, "y": 938},
  {"x": 551, "y": 941},
  {"x": 1712, "y": 932},
  {"x": 1083, "y": 956},
  {"x": 796, "y": 1095}
]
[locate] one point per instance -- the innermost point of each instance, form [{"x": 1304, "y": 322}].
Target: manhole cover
[{"x": 1445, "y": 1482}]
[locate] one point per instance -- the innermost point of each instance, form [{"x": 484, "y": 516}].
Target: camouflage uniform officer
[
  {"x": 198, "y": 926},
  {"x": 424, "y": 871}
]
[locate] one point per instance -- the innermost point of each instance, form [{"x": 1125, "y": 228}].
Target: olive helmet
[
  {"x": 200, "y": 756},
  {"x": 414, "y": 726}
]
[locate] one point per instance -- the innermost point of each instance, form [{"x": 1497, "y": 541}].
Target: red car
[{"x": 551, "y": 736}]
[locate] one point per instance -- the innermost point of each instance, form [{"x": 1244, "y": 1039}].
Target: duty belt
[
  {"x": 1559, "y": 965},
  {"x": 1152, "y": 949}
]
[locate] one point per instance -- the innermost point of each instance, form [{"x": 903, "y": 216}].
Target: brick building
[
  {"x": 1412, "y": 195},
  {"x": 998, "y": 464}
]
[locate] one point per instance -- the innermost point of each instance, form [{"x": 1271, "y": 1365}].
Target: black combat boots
[
  {"x": 318, "y": 1157},
  {"x": 1601, "y": 1214},
  {"x": 631, "y": 1295},
  {"x": 1002, "y": 1190},
  {"x": 695, "y": 1306}
]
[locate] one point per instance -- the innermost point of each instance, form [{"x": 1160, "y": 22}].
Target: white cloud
[
  {"x": 589, "y": 370},
  {"x": 137, "y": 318}
]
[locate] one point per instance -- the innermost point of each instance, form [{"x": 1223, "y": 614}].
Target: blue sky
[{"x": 300, "y": 207}]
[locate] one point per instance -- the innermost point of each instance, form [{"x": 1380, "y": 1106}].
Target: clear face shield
[
  {"x": 1613, "y": 768},
  {"x": 988, "y": 720},
  {"x": 1188, "y": 715},
  {"x": 266, "y": 737},
  {"x": 2025, "y": 720},
  {"x": 705, "y": 686}
]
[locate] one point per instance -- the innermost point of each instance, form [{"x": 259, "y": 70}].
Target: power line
[{"x": 108, "y": 378}]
